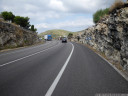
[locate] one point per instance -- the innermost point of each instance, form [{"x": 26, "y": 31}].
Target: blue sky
[{"x": 71, "y": 15}]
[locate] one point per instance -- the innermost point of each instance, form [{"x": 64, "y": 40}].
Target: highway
[{"x": 57, "y": 69}]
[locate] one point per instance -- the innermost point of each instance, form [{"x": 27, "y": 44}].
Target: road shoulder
[{"x": 122, "y": 72}]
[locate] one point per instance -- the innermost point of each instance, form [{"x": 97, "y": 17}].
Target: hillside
[
  {"x": 78, "y": 32},
  {"x": 55, "y": 33},
  {"x": 110, "y": 36},
  {"x": 14, "y": 36}
]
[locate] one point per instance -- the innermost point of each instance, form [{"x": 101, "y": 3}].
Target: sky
[{"x": 71, "y": 15}]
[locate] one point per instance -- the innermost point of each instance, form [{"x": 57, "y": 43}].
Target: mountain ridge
[{"x": 56, "y": 33}]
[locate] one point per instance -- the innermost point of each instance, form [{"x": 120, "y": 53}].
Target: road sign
[{"x": 88, "y": 38}]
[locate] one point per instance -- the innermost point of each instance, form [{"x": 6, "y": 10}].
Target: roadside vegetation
[
  {"x": 56, "y": 33},
  {"x": 19, "y": 20},
  {"x": 100, "y": 14},
  {"x": 70, "y": 35},
  {"x": 104, "y": 12}
]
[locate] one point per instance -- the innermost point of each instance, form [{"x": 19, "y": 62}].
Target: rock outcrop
[
  {"x": 110, "y": 36},
  {"x": 14, "y": 36}
]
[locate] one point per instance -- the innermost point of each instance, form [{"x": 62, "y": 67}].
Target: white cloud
[
  {"x": 30, "y": 7},
  {"x": 57, "y": 5},
  {"x": 41, "y": 11},
  {"x": 80, "y": 22},
  {"x": 86, "y": 6},
  {"x": 44, "y": 7}
]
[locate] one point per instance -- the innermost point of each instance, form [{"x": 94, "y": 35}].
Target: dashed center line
[{"x": 26, "y": 56}]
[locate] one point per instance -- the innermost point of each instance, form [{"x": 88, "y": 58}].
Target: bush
[
  {"x": 70, "y": 35},
  {"x": 33, "y": 28},
  {"x": 99, "y": 14},
  {"x": 22, "y": 21},
  {"x": 8, "y": 16},
  {"x": 117, "y": 4}
]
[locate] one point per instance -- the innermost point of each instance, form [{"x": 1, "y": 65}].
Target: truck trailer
[{"x": 48, "y": 37}]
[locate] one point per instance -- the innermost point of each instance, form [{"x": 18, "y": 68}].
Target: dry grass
[
  {"x": 117, "y": 4},
  {"x": 1, "y": 20},
  {"x": 14, "y": 48},
  {"x": 14, "y": 24}
]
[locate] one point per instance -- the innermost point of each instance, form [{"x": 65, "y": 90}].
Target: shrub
[
  {"x": 8, "y": 16},
  {"x": 22, "y": 21},
  {"x": 17, "y": 20},
  {"x": 33, "y": 28},
  {"x": 117, "y": 4},
  {"x": 99, "y": 14},
  {"x": 70, "y": 35}
]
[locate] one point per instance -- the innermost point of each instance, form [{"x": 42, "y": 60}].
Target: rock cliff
[
  {"x": 110, "y": 36},
  {"x": 14, "y": 36}
]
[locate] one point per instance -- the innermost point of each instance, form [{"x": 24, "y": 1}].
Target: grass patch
[{"x": 100, "y": 14}]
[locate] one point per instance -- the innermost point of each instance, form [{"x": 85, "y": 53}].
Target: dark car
[{"x": 64, "y": 40}]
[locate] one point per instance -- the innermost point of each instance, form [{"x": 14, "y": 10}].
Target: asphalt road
[{"x": 57, "y": 69}]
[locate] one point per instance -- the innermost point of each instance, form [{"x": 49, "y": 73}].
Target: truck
[
  {"x": 48, "y": 37},
  {"x": 45, "y": 37}
]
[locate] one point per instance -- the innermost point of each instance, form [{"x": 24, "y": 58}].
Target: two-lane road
[{"x": 57, "y": 69}]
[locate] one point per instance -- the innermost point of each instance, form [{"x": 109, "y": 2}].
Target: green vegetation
[
  {"x": 103, "y": 12},
  {"x": 22, "y": 21},
  {"x": 99, "y": 14},
  {"x": 33, "y": 28},
  {"x": 0, "y": 16},
  {"x": 79, "y": 32},
  {"x": 70, "y": 35},
  {"x": 8, "y": 16},
  {"x": 56, "y": 33},
  {"x": 19, "y": 20}
]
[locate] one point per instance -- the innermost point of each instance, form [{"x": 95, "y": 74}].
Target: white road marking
[
  {"x": 54, "y": 84},
  {"x": 23, "y": 49},
  {"x": 26, "y": 56}
]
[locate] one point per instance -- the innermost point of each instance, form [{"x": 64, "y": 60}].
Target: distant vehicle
[
  {"x": 48, "y": 37},
  {"x": 64, "y": 40},
  {"x": 45, "y": 37}
]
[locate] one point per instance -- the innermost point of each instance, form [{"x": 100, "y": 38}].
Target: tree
[
  {"x": 8, "y": 16},
  {"x": 22, "y": 21},
  {"x": 33, "y": 29},
  {"x": 70, "y": 35}
]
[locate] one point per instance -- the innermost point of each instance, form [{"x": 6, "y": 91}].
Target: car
[{"x": 64, "y": 40}]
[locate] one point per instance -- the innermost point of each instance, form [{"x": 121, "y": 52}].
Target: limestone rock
[
  {"x": 110, "y": 36},
  {"x": 14, "y": 36}
]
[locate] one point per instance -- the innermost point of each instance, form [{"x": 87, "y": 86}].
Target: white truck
[
  {"x": 48, "y": 37},
  {"x": 45, "y": 37}
]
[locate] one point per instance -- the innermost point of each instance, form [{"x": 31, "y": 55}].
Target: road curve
[{"x": 32, "y": 71}]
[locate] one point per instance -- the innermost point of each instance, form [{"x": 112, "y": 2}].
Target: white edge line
[
  {"x": 26, "y": 56},
  {"x": 121, "y": 73},
  {"x": 54, "y": 84}
]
